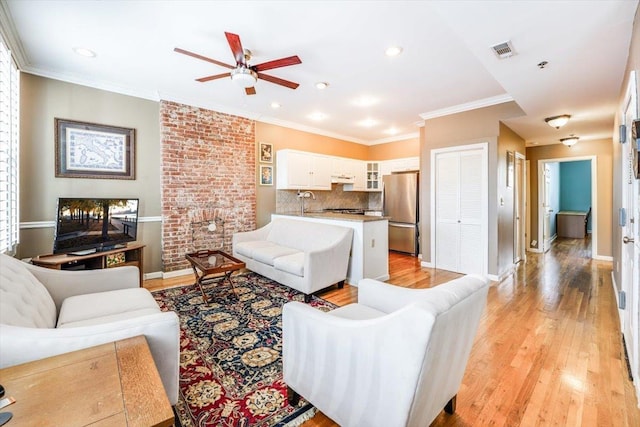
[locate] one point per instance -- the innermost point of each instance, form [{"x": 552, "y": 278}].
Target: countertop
[{"x": 338, "y": 216}]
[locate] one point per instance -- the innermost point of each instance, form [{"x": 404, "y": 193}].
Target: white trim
[
  {"x": 9, "y": 34},
  {"x": 177, "y": 273},
  {"x": 153, "y": 275},
  {"x": 426, "y": 264},
  {"x": 534, "y": 250},
  {"x": 603, "y": 258},
  {"x": 52, "y": 224},
  {"x": 594, "y": 198},
  {"x": 395, "y": 138},
  {"x": 484, "y": 146},
  {"x": 473, "y": 105},
  {"x": 493, "y": 278}
]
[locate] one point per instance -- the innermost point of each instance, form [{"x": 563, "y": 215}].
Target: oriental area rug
[{"x": 231, "y": 353}]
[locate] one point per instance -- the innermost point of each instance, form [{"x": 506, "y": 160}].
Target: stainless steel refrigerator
[{"x": 400, "y": 199}]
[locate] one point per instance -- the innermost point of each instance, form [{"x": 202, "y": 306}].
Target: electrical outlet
[
  {"x": 534, "y": 243},
  {"x": 373, "y": 243}
]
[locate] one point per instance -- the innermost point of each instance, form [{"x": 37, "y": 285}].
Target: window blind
[{"x": 9, "y": 151}]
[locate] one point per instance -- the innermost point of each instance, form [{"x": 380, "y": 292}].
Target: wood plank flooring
[{"x": 548, "y": 350}]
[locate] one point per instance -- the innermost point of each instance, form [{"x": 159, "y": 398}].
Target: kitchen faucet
[{"x": 302, "y": 196}]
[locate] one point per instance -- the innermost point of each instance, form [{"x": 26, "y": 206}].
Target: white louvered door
[{"x": 460, "y": 191}]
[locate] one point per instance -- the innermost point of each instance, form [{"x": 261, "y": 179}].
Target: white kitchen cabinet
[
  {"x": 399, "y": 165},
  {"x": 358, "y": 169},
  {"x": 373, "y": 178},
  {"x": 298, "y": 170}
]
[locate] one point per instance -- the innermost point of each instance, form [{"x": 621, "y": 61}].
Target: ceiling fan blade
[
  {"x": 277, "y": 63},
  {"x": 204, "y": 58},
  {"x": 214, "y": 77},
  {"x": 278, "y": 81},
  {"x": 250, "y": 90},
  {"x": 236, "y": 47}
]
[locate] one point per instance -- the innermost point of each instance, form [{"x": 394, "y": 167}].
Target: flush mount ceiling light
[
  {"x": 557, "y": 121},
  {"x": 317, "y": 116},
  {"x": 368, "y": 122},
  {"x": 366, "y": 101},
  {"x": 572, "y": 140},
  {"x": 275, "y": 105},
  {"x": 322, "y": 85},
  {"x": 393, "y": 51},
  {"x": 83, "y": 51},
  {"x": 392, "y": 131},
  {"x": 244, "y": 77}
]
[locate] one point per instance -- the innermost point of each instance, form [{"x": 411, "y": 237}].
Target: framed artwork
[
  {"x": 266, "y": 175},
  {"x": 510, "y": 168},
  {"x": 266, "y": 152},
  {"x": 89, "y": 150}
]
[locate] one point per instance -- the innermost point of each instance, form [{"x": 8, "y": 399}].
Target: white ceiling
[{"x": 447, "y": 64}]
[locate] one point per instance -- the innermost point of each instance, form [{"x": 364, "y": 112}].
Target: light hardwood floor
[{"x": 548, "y": 350}]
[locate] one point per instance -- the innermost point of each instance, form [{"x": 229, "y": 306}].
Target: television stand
[
  {"x": 82, "y": 253},
  {"x": 131, "y": 254}
]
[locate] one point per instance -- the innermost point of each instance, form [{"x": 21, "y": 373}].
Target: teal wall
[{"x": 575, "y": 186}]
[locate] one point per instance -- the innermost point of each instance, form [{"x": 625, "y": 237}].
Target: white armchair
[
  {"x": 395, "y": 358},
  {"x": 46, "y": 312}
]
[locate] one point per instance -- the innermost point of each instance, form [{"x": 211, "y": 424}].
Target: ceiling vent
[{"x": 504, "y": 50}]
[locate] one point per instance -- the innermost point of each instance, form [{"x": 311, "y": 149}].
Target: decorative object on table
[
  {"x": 266, "y": 175},
  {"x": 231, "y": 365},
  {"x": 88, "y": 150},
  {"x": 115, "y": 259},
  {"x": 207, "y": 228},
  {"x": 266, "y": 152}
]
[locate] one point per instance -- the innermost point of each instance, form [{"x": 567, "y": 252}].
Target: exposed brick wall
[{"x": 208, "y": 174}]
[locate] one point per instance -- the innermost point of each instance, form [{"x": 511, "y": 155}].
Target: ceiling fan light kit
[
  {"x": 244, "y": 77},
  {"x": 558, "y": 121}
]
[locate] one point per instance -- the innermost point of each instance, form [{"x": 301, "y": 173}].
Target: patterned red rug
[{"x": 231, "y": 353}]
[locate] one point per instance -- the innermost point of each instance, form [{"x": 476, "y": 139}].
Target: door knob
[{"x": 626, "y": 239}]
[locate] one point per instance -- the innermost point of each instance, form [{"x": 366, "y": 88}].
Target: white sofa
[
  {"x": 45, "y": 312},
  {"x": 396, "y": 358},
  {"x": 302, "y": 255}
]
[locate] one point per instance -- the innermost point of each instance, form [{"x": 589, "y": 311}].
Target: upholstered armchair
[
  {"x": 46, "y": 312},
  {"x": 394, "y": 358}
]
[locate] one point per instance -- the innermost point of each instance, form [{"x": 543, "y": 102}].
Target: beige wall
[
  {"x": 44, "y": 99},
  {"x": 469, "y": 127},
  {"x": 602, "y": 149},
  {"x": 394, "y": 150}
]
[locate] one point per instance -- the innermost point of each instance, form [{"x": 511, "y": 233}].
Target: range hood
[{"x": 342, "y": 179}]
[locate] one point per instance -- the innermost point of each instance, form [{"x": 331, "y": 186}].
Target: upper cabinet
[
  {"x": 298, "y": 170},
  {"x": 373, "y": 176},
  {"x": 399, "y": 165}
]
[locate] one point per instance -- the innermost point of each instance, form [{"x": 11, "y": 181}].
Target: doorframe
[
  {"x": 594, "y": 201},
  {"x": 521, "y": 201},
  {"x": 484, "y": 146}
]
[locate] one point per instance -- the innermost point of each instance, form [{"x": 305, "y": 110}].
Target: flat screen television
[{"x": 88, "y": 224}]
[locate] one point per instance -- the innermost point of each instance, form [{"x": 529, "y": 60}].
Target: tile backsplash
[{"x": 288, "y": 202}]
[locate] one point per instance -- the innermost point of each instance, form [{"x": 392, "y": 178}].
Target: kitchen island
[{"x": 370, "y": 247}]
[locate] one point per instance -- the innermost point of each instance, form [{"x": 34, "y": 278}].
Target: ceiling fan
[{"x": 243, "y": 73}]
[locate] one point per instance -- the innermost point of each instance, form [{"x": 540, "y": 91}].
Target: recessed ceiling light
[
  {"x": 393, "y": 51},
  {"x": 317, "y": 116},
  {"x": 392, "y": 131},
  {"x": 275, "y": 105},
  {"x": 82, "y": 51},
  {"x": 368, "y": 122},
  {"x": 366, "y": 101},
  {"x": 322, "y": 85}
]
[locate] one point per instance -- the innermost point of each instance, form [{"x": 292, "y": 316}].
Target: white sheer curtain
[{"x": 9, "y": 150}]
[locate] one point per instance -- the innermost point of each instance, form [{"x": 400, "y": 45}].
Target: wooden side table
[
  {"x": 111, "y": 384},
  {"x": 211, "y": 263}
]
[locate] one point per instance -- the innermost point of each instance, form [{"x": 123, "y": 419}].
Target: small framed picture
[
  {"x": 266, "y": 175},
  {"x": 266, "y": 152}
]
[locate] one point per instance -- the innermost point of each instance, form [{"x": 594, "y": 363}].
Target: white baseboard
[
  {"x": 602, "y": 257},
  {"x": 177, "y": 273},
  {"x": 426, "y": 264},
  {"x": 534, "y": 250},
  {"x": 153, "y": 275}
]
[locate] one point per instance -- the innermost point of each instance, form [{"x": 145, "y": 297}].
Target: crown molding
[
  {"x": 402, "y": 137},
  {"x": 473, "y": 105},
  {"x": 10, "y": 36},
  {"x": 310, "y": 129}
]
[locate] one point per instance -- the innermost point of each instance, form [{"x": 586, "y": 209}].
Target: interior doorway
[
  {"x": 519, "y": 210},
  {"x": 548, "y": 209}
]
